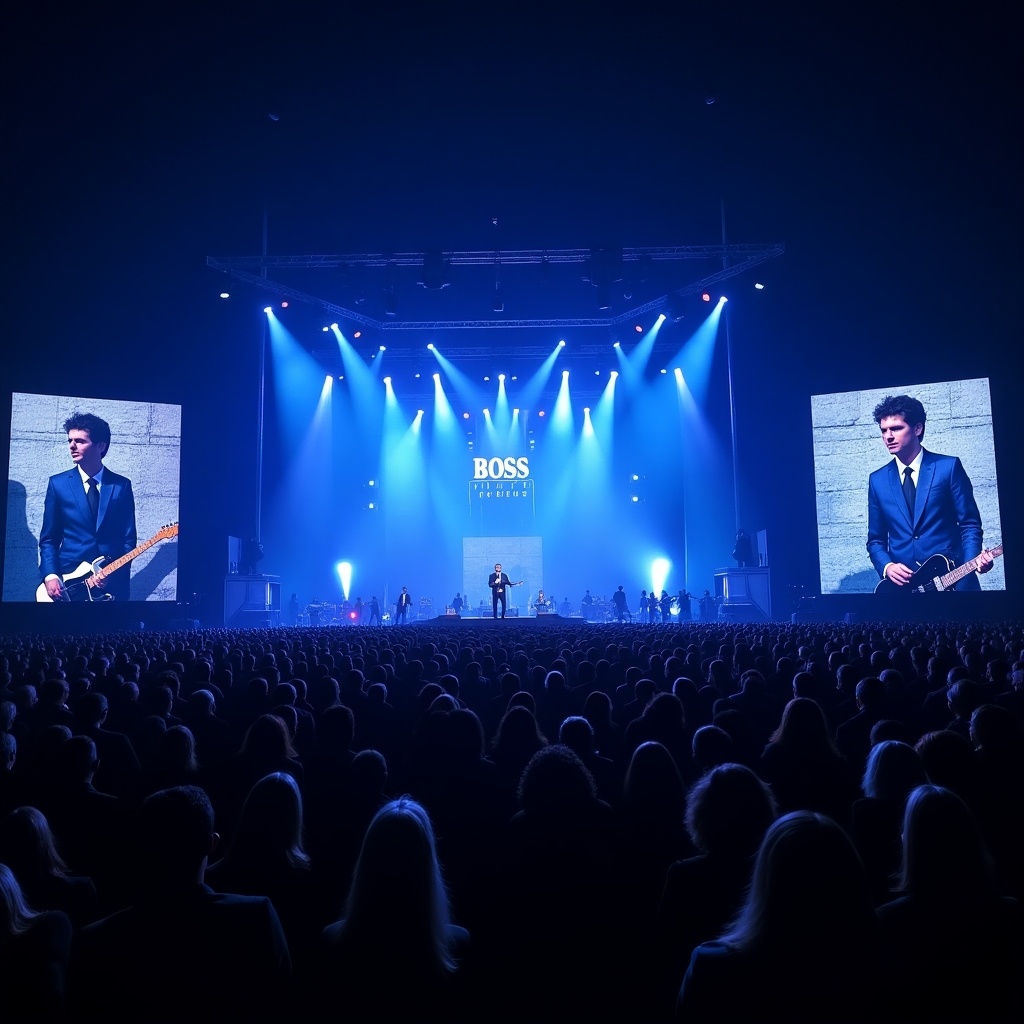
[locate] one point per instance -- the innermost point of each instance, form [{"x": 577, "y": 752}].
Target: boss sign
[{"x": 501, "y": 469}]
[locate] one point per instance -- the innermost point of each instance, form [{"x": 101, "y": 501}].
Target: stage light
[
  {"x": 565, "y": 374},
  {"x": 268, "y": 309},
  {"x": 661, "y": 318},
  {"x": 561, "y": 344},
  {"x": 358, "y": 334},
  {"x": 334, "y": 327},
  {"x": 417, "y": 374},
  {"x": 371, "y": 483},
  {"x": 501, "y": 376},
  {"x": 614, "y": 374},
  {"x": 225, "y": 295},
  {"x": 487, "y": 378},
  {"x": 639, "y": 328},
  {"x": 344, "y": 570},
  {"x": 387, "y": 380},
  {"x": 465, "y": 415},
  {"x": 284, "y": 305},
  {"x": 430, "y": 346},
  {"x": 597, "y": 373},
  {"x": 616, "y": 344},
  {"x": 541, "y": 413},
  {"x": 723, "y": 299},
  {"x": 759, "y": 286},
  {"x": 383, "y": 348},
  {"x": 635, "y": 476},
  {"x": 663, "y": 370},
  {"x": 325, "y": 329},
  {"x": 706, "y": 296},
  {"x": 372, "y": 505},
  {"x": 586, "y": 410},
  {"x": 635, "y": 498},
  {"x": 436, "y": 376}
]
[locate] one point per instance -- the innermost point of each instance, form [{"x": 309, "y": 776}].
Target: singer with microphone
[{"x": 498, "y": 581}]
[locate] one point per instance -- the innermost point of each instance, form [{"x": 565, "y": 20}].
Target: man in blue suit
[
  {"x": 920, "y": 504},
  {"x": 88, "y": 512}
]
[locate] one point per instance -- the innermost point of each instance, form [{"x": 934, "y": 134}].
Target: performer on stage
[
  {"x": 88, "y": 512},
  {"x": 919, "y": 504},
  {"x": 541, "y": 604},
  {"x": 498, "y": 581},
  {"x": 404, "y": 601},
  {"x": 374, "y": 611},
  {"x": 619, "y": 601},
  {"x": 458, "y": 603}
]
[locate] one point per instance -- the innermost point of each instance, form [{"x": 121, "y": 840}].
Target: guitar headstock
[{"x": 168, "y": 531}]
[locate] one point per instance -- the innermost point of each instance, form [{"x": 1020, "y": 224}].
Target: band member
[
  {"x": 542, "y": 603},
  {"x": 374, "y": 611},
  {"x": 919, "y": 504},
  {"x": 619, "y": 601},
  {"x": 498, "y": 582},
  {"x": 88, "y": 512},
  {"x": 458, "y": 603},
  {"x": 404, "y": 601},
  {"x": 314, "y": 610}
]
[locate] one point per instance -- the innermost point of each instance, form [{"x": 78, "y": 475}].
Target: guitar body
[
  {"x": 75, "y": 587},
  {"x": 924, "y": 581},
  {"x": 76, "y": 584}
]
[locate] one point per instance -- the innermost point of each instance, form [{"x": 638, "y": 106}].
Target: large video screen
[
  {"x": 873, "y": 521},
  {"x": 92, "y": 504}
]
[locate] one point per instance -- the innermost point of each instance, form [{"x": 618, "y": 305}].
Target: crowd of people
[{"x": 696, "y": 821}]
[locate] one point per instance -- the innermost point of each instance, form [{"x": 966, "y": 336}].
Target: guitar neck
[
  {"x": 95, "y": 579},
  {"x": 967, "y": 568}
]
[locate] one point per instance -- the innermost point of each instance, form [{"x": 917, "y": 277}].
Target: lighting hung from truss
[{"x": 499, "y": 300}]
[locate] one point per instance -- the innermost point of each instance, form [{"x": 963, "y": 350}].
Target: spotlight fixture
[
  {"x": 334, "y": 327},
  {"x": 284, "y": 305},
  {"x": 268, "y": 309},
  {"x": 225, "y": 295},
  {"x": 706, "y": 296},
  {"x": 325, "y": 329},
  {"x": 639, "y": 328},
  {"x": 358, "y": 334},
  {"x": 759, "y": 286}
]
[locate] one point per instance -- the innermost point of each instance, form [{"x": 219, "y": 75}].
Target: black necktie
[
  {"x": 93, "y": 497},
  {"x": 908, "y": 490}
]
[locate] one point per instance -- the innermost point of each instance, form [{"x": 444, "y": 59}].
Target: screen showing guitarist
[
  {"x": 498, "y": 582},
  {"x": 88, "y": 513},
  {"x": 920, "y": 504}
]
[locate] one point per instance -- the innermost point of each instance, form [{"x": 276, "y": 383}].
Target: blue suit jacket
[
  {"x": 68, "y": 537},
  {"x": 946, "y": 517}
]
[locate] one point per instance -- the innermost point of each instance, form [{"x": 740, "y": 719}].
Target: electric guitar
[
  {"x": 85, "y": 582},
  {"x": 936, "y": 575}
]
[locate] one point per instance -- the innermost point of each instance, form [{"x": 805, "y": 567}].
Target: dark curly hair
[{"x": 907, "y": 408}]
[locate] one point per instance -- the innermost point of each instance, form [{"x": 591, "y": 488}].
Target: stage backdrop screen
[
  {"x": 144, "y": 451},
  {"x": 848, "y": 447}
]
